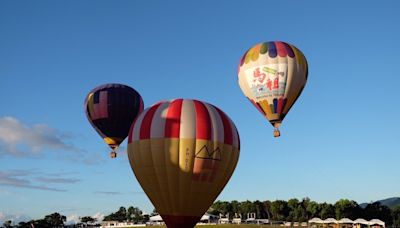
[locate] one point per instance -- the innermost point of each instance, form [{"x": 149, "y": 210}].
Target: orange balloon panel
[{"x": 183, "y": 152}]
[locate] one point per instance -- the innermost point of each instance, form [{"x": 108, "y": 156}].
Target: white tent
[
  {"x": 345, "y": 220},
  {"x": 209, "y": 217},
  {"x": 376, "y": 222},
  {"x": 156, "y": 218},
  {"x": 315, "y": 220},
  {"x": 330, "y": 220},
  {"x": 361, "y": 221}
]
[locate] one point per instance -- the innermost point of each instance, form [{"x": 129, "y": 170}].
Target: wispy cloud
[
  {"x": 57, "y": 180},
  {"x": 117, "y": 193},
  {"x": 14, "y": 218},
  {"x": 23, "y": 179},
  {"x": 18, "y": 139},
  {"x": 108, "y": 192},
  {"x": 93, "y": 159}
]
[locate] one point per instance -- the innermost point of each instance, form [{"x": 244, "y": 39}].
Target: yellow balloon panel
[{"x": 182, "y": 176}]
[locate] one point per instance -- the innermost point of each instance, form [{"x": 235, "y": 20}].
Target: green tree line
[
  {"x": 295, "y": 210},
  {"x": 292, "y": 210}
]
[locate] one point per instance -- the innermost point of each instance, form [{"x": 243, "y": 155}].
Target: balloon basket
[
  {"x": 113, "y": 154},
  {"x": 277, "y": 133}
]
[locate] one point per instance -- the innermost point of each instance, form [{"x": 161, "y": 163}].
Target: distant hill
[{"x": 390, "y": 202}]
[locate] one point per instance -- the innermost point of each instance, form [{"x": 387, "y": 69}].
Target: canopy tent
[
  {"x": 376, "y": 222},
  {"x": 361, "y": 221},
  {"x": 330, "y": 220},
  {"x": 345, "y": 220},
  {"x": 156, "y": 218},
  {"x": 315, "y": 220}
]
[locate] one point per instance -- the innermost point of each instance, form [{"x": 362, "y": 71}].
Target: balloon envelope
[
  {"x": 183, "y": 152},
  {"x": 111, "y": 109},
  {"x": 272, "y": 75}
]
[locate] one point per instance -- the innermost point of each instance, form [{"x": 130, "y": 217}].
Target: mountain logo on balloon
[{"x": 205, "y": 153}]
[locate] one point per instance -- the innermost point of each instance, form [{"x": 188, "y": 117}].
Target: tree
[
  {"x": 222, "y": 207},
  {"x": 7, "y": 224},
  {"x": 313, "y": 209},
  {"x": 279, "y": 210},
  {"x": 378, "y": 211},
  {"x": 247, "y": 207},
  {"x": 236, "y": 207},
  {"x": 55, "y": 220},
  {"x": 396, "y": 217},
  {"x": 87, "y": 219},
  {"x": 119, "y": 216},
  {"x": 293, "y": 210},
  {"x": 345, "y": 208},
  {"x": 134, "y": 214},
  {"x": 267, "y": 206},
  {"x": 327, "y": 211},
  {"x": 261, "y": 210}
]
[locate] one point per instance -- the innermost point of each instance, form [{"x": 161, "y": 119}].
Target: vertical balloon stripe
[
  {"x": 235, "y": 138},
  {"x": 259, "y": 108},
  {"x": 173, "y": 122},
  {"x": 272, "y": 49},
  {"x": 217, "y": 133},
  {"x": 146, "y": 122},
  {"x": 264, "y": 48},
  {"x": 141, "y": 105},
  {"x": 289, "y": 50},
  {"x": 157, "y": 128},
  {"x": 272, "y": 108},
  {"x": 136, "y": 126},
  {"x": 227, "y": 127},
  {"x": 265, "y": 106},
  {"x": 256, "y": 52},
  {"x": 134, "y": 121},
  {"x": 100, "y": 105},
  {"x": 275, "y": 105},
  {"x": 248, "y": 55},
  {"x": 203, "y": 122},
  {"x": 242, "y": 59},
  {"x": 188, "y": 120},
  {"x": 280, "y": 106},
  {"x": 300, "y": 58},
  {"x": 90, "y": 104},
  {"x": 281, "y": 49}
]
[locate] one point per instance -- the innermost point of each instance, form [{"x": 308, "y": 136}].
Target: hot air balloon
[
  {"x": 111, "y": 109},
  {"x": 272, "y": 76},
  {"x": 183, "y": 152}
]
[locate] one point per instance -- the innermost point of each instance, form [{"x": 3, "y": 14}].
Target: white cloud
[
  {"x": 72, "y": 219},
  {"x": 14, "y": 218},
  {"x": 99, "y": 216},
  {"x": 18, "y": 139}
]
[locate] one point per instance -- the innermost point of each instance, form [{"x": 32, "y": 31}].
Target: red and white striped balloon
[{"x": 183, "y": 152}]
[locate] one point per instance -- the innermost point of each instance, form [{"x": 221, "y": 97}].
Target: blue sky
[{"x": 340, "y": 140}]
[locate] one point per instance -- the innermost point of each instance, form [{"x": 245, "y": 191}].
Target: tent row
[{"x": 358, "y": 223}]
